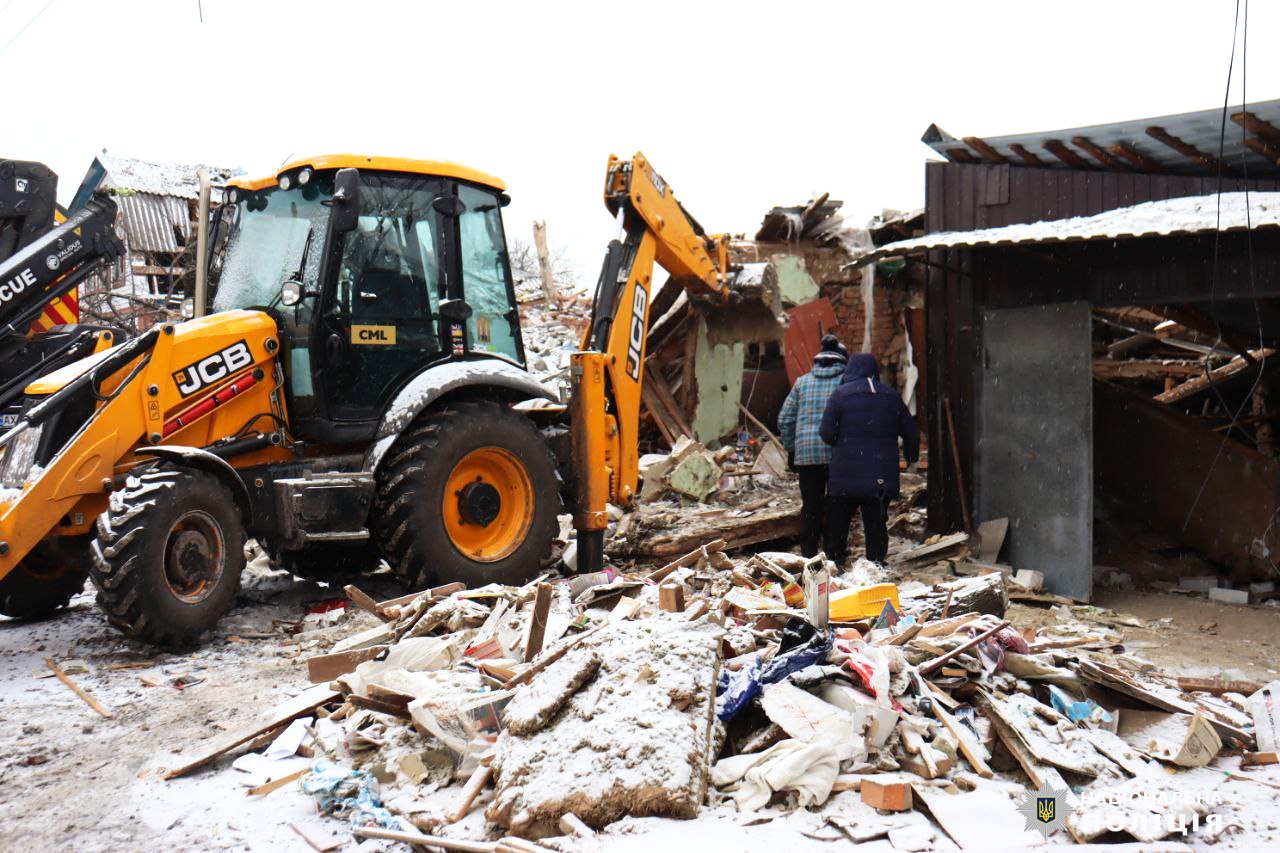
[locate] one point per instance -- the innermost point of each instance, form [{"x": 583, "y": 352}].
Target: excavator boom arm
[
  {"x": 55, "y": 262},
  {"x": 608, "y": 372}
]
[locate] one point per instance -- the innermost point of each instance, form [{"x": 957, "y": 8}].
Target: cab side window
[{"x": 486, "y": 275}]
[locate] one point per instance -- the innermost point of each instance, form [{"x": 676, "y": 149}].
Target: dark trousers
[
  {"x": 875, "y": 526},
  {"x": 813, "y": 498}
]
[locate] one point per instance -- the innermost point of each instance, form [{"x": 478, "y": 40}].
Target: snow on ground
[{"x": 70, "y": 779}]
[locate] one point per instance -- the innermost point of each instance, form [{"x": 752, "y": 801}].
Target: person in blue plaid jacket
[{"x": 808, "y": 454}]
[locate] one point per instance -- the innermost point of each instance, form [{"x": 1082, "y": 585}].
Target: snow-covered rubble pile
[{"x": 551, "y": 335}]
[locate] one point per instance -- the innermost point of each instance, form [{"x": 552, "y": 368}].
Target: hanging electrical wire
[
  {"x": 34, "y": 18},
  {"x": 1243, "y": 40}
]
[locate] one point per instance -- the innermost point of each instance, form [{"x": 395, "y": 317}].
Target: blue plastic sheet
[
  {"x": 1074, "y": 709},
  {"x": 737, "y": 688},
  {"x": 348, "y": 793}
]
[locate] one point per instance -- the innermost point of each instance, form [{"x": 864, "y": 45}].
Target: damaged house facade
[
  {"x": 158, "y": 205},
  {"x": 1101, "y": 316},
  {"x": 712, "y": 372}
]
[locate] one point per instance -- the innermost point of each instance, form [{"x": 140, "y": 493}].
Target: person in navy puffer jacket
[{"x": 863, "y": 421}]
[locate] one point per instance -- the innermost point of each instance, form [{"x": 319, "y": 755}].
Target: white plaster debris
[{"x": 635, "y": 740}]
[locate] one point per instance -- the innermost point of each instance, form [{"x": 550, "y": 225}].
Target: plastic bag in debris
[
  {"x": 416, "y": 654},
  {"x": 869, "y": 667},
  {"x": 796, "y": 633},
  {"x": 737, "y": 688},
  {"x": 1075, "y": 709},
  {"x": 458, "y": 719},
  {"x": 343, "y": 792}
]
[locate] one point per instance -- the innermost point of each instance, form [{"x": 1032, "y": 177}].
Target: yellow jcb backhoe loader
[{"x": 348, "y": 400}]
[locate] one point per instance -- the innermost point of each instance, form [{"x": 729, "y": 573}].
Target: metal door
[{"x": 1035, "y": 440}]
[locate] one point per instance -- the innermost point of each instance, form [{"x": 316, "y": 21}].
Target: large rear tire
[
  {"x": 169, "y": 555},
  {"x": 47, "y": 578},
  {"x": 467, "y": 493}
]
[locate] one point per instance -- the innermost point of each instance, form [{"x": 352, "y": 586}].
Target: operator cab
[{"x": 374, "y": 268}]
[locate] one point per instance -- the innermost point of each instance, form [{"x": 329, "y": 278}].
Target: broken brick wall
[{"x": 846, "y": 299}]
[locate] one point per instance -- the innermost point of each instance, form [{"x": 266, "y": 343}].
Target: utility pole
[{"x": 201, "y": 296}]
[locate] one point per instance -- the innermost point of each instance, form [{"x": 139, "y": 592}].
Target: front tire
[
  {"x": 47, "y": 578},
  {"x": 467, "y": 493},
  {"x": 169, "y": 554}
]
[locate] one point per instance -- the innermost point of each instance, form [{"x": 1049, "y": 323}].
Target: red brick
[{"x": 891, "y": 796}]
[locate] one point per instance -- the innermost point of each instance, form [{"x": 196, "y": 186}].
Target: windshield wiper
[{"x": 302, "y": 266}]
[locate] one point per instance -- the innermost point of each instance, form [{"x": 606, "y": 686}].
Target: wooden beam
[
  {"x": 1136, "y": 158},
  {"x": 984, "y": 148},
  {"x": 1201, "y": 382},
  {"x": 655, "y": 381},
  {"x": 668, "y": 418},
  {"x": 688, "y": 377},
  {"x": 932, "y": 665},
  {"x": 304, "y": 704},
  {"x": 1105, "y": 368},
  {"x": 538, "y": 621},
  {"x": 365, "y": 602},
  {"x": 1257, "y": 126},
  {"x": 152, "y": 269},
  {"x": 1263, "y": 148},
  {"x": 1027, "y": 157},
  {"x": 1198, "y": 321},
  {"x": 1058, "y": 149},
  {"x": 1098, "y": 152},
  {"x": 961, "y": 155},
  {"x": 1206, "y": 161}
]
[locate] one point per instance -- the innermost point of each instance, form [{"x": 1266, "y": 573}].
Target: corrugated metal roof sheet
[
  {"x": 153, "y": 222},
  {"x": 1188, "y": 215},
  {"x": 1201, "y": 131},
  {"x": 170, "y": 179}
]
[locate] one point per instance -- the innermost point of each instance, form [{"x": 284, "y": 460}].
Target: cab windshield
[{"x": 270, "y": 234}]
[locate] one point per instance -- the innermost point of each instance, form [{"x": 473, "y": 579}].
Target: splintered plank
[
  {"x": 365, "y": 602},
  {"x": 1158, "y": 696},
  {"x": 662, "y": 536},
  {"x": 301, "y": 705},
  {"x": 77, "y": 689},
  {"x": 328, "y": 667},
  {"x": 1202, "y": 382}
]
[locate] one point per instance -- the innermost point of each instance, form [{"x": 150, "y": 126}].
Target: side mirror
[
  {"x": 449, "y": 205},
  {"x": 345, "y": 201},
  {"x": 291, "y": 293},
  {"x": 455, "y": 310}
]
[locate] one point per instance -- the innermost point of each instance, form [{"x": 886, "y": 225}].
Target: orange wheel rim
[
  {"x": 488, "y": 504},
  {"x": 194, "y": 556}
]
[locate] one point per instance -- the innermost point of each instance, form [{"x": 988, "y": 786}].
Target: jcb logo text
[{"x": 211, "y": 368}]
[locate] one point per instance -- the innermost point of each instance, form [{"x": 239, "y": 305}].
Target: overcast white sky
[{"x": 740, "y": 105}]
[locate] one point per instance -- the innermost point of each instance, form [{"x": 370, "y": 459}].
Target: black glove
[{"x": 791, "y": 460}]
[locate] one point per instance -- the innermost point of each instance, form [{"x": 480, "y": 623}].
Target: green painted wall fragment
[
  {"x": 718, "y": 369},
  {"x": 795, "y": 285}
]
